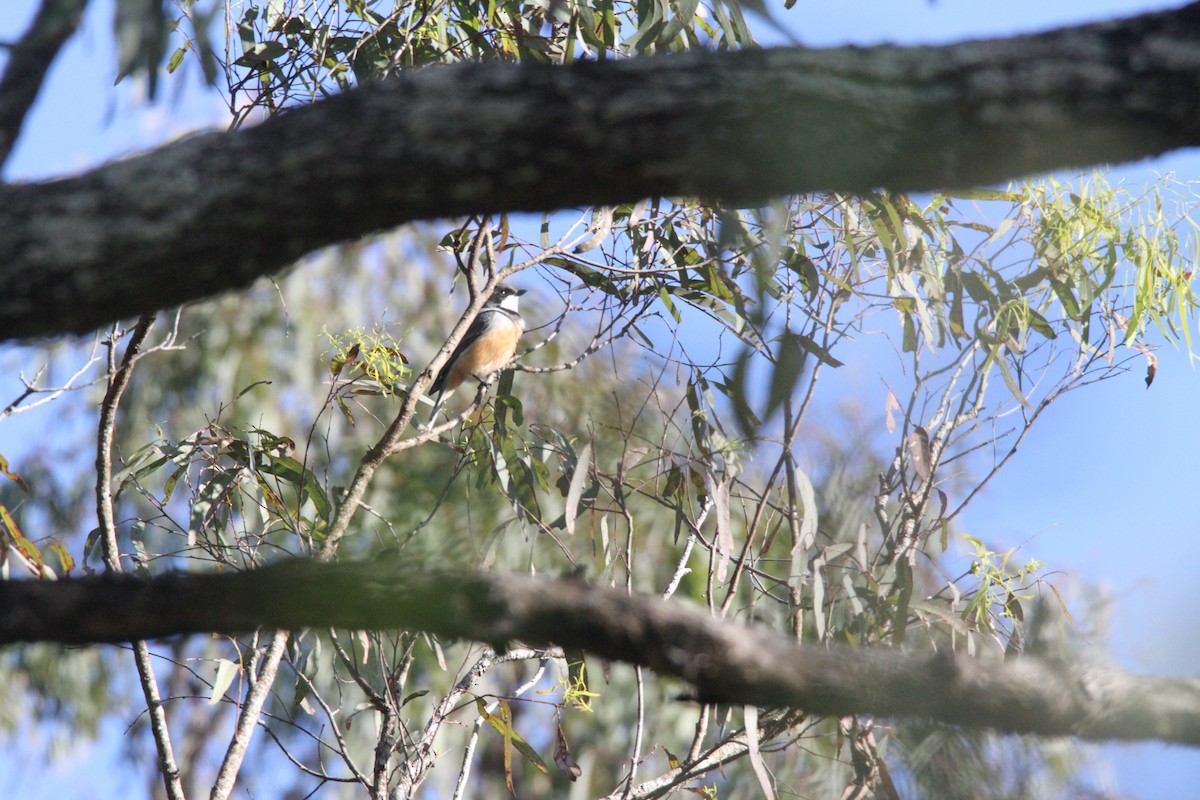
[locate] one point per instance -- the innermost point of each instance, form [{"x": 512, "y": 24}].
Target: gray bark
[
  {"x": 723, "y": 661},
  {"x": 216, "y": 211}
]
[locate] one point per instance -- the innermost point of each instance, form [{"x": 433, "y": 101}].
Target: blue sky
[
  {"x": 1101, "y": 490},
  {"x": 1103, "y": 487}
]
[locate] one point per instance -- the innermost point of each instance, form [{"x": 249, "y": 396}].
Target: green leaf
[
  {"x": 141, "y": 462},
  {"x": 958, "y": 327},
  {"x": 806, "y": 270},
  {"x": 579, "y": 478},
  {"x": 91, "y": 546},
  {"x": 260, "y": 53},
  {"x": 910, "y": 335},
  {"x": 65, "y": 559},
  {"x": 808, "y": 502},
  {"x": 666, "y": 300},
  {"x": 1040, "y": 324},
  {"x": 18, "y": 540},
  {"x": 1030, "y": 279},
  {"x": 789, "y": 366},
  {"x": 208, "y": 501},
  {"x": 817, "y": 350},
  {"x": 1009, "y": 379},
  {"x": 748, "y": 422},
  {"x": 141, "y": 29},
  {"x": 1004, "y": 227},
  {"x": 977, "y": 288},
  {"x": 502, "y": 722},
  {"x": 177, "y": 58},
  {"x": 169, "y": 486},
  {"x": 818, "y": 597},
  {"x": 1067, "y": 298},
  {"x": 983, "y": 194},
  {"x": 904, "y": 587},
  {"x": 650, "y": 21},
  {"x": 12, "y": 475},
  {"x": 1062, "y": 605},
  {"x": 291, "y": 471}
]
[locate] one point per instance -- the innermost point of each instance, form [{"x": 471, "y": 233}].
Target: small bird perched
[{"x": 488, "y": 345}]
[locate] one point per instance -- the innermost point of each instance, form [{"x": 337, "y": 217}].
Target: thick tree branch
[
  {"x": 723, "y": 661},
  {"x": 213, "y": 212},
  {"x": 28, "y": 62}
]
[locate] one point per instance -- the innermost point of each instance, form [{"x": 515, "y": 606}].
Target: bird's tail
[{"x": 441, "y": 398}]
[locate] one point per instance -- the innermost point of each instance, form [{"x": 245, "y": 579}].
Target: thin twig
[
  {"x": 389, "y": 443},
  {"x": 50, "y": 395},
  {"x": 118, "y": 381},
  {"x": 469, "y": 751}
]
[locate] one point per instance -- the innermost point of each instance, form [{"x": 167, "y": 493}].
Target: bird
[{"x": 488, "y": 345}]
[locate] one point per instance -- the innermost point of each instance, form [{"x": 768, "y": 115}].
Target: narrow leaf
[
  {"x": 750, "y": 714},
  {"x": 818, "y": 597},
  {"x": 65, "y": 559},
  {"x": 891, "y": 405},
  {"x": 1067, "y": 298},
  {"x": 817, "y": 350},
  {"x": 11, "y": 475},
  {"x": 578, "y": 481},
  {"x": 719, "y": 491},
  {"x": 789, "y": 366},
  {"x": 1011, "y": 382},
  {"x": 226, "y": 671},
  {"x": 562, "y": 756},
  {"x": 910, "y": 335},
  {"x": 808, "y": 496},
  {"x": 1061, "y": 604},
  {"x": 502, "y": 722}
]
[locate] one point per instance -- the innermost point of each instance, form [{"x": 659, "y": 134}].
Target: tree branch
[
  {"x": 28, "y": 62},
  {"x": 723, "y": 661},
  {"x": 117, "y": 382},
  {"x": 214, "y": 212}
]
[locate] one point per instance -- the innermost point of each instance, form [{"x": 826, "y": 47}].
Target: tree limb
[
  {"x": 215, "y": 211},
  {"x": 724, "y": 662},
  {"x": 28, "y": 62}
]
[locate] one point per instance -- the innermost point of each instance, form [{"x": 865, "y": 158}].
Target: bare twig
[
  {"x": 50, "y": 394},
  {"x": 118, "y": 380},
  {"x": 464, "y": 772},
  {"x": 390, "y": 442}
]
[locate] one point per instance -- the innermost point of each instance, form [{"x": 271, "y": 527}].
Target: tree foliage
[{"x": 663, "y": 432}]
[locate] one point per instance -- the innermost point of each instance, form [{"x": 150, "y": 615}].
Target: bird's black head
[{"x": 504, "y": 292}]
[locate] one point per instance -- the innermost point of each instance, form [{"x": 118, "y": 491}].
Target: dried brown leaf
[
  {"x": 890, "y": 406},
  {"x": 562, "y": 756}
]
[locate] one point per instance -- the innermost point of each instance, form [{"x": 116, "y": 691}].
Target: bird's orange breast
[{"x": 491, "y": 352}]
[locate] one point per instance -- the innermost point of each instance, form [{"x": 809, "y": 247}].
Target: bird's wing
[{"x": 472, "y": 336}]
